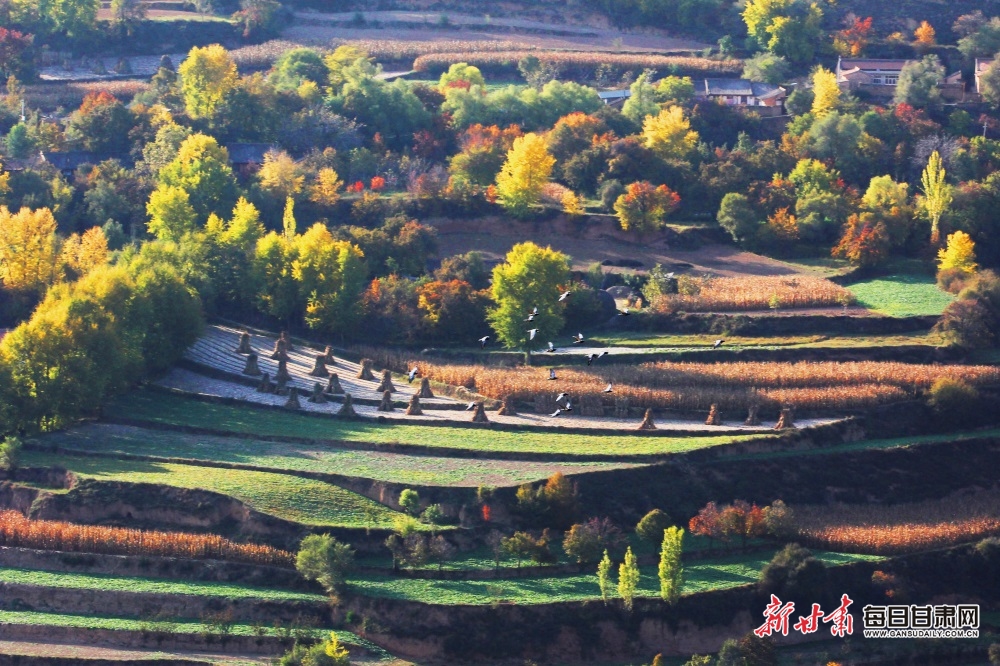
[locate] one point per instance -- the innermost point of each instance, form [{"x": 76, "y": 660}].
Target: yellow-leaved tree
[
  {"x": 937, "y": 194},
  {"x": 959, "y": 255},
  {"x": 280, "y": 175},
  {"x": 826, "y": 92},
  {"x": 28, "y": 248},
  {"x": 325, "y": 191},
  {"x": 669, "y": 133},
  {"x": 208, "y": 74},
  {"x": 82, "y": 253},
  {"x": 925, "y": 34},
  {"x": 524, "y": 174}
]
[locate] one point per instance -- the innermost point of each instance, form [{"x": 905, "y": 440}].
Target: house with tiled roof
[{"x": 878, "y": 77}]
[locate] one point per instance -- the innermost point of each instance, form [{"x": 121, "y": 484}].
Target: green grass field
[
  {"x": 293, "y": 498},
  {"x": 169, "y": 626},
  {"x": 654, "y": 342},
  {"x": 108, "y": 583},
  {"x": 902, "y": 295},
  {"x": 177, "y": 410},
  {"x": 701, "y": 576},
  {"x": 397, "y": 467}
]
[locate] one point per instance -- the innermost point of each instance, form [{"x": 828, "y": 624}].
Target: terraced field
[
  {"x": 381, "y": 466},
  {"x": 716, "y": 574},
  {"x": 158, "y": 408},
  {"x": 293, "y": 498}
]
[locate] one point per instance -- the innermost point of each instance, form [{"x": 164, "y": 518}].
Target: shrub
[
  {"x": 325, "y": 560},
  {"x": 793, "y": 572},
  {"x": 410, "y": 501},
  {"x": 433, "y": 514},
  {"x": 953, "y": 397},
  {"x": 585, "y": 542},
  {"x": 652, "y": 525},
  {"x": 10, "y": 453}
]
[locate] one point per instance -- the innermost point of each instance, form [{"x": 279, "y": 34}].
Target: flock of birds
[{"x": 563, "y": 402}]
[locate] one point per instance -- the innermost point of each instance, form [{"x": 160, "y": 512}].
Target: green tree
[
  {"x": 529, "y": 278},
  {"x": 524, "y": 174},
  {"x": 391, "y": 110},
  {"x": 170, "y": 213},
  {"x": 989, "y": 83},
  {"x": 278, "y": 294},
  {"x": 208, "y": 75},
  {"x": 10, "y": 453},
  {"x": 788, "y": 28},
  {"x": 628, "y": 579},
  {"x": 296, "y": 66},
  {"x": 101, "y": 124},
  {"x": 651, "y": 527},
  {"x": 126, "y": 14},
  {"x": 918, "y": 83},
  {"x": 738, "y": 217},
  {"x": 461, "y": 72},
  {"x": 72, "y": 17},
  {"x": 766, "y": 68},
  {"x": 675, "y": 89},
  {"x": 19, "y": 143},
  {"x": 325, "y": 560},
  {"x": 642, "y": 99},
  {"x": 201, "y": 168},
  {"x": 410, "y": 501},
  {"x": 983, "y": 42},
  {"x": 937, "y": 194},
  {"x": 331, "y": 275},
  {"x": 671, "y": 571},
  {"x": 604, "y": 576}
]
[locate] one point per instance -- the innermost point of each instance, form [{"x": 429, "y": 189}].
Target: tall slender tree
[{"x": 937, "y": 194}]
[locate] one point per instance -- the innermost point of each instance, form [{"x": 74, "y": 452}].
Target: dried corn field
[
  {"x": 900, "y": 528},
  {"x": 727, "y": 294},
  {"x": 566, "y": 60},
  {"x": 18, "y": 531},
  {"x": 815, "y": 387}
]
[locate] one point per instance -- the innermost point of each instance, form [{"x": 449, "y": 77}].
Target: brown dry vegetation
[
  {"x": 754, "y": 292},
  {"x": 823, "y": 386},
  {"x": 70, "y": 95},
  {"x": 900, "y": 528},
  {"x": 569, "y": 59},
  {"x": 18, "y": 531}
]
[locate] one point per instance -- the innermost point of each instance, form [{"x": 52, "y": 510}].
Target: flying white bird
[
  {"x": 551, "y": 349},
  {"x": 483, "y": 340},
  {"x": 591, "y": 357},
  {"x": 718, "y": 343},
  {"x": 563, "y": 296},
  {"x": 607, "y": 389},
  {"x": 557, "y": 412},
  {"x": 623, "y": 312},
  {"x": 552, "y": 374},
  {"x": 532, "y": 332},
  {"x": 413, "y": 373},
  {"x": 578, "y": 338},
  {"x": 561, "y": 397},
  {"x": 471, "y": 406}
]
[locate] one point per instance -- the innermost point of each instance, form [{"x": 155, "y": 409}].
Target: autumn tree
[
  {"x": 529, "y": 278},
  {"x": 959, "y": 255},
  {"x": 925, "y": 35},
  {"x": 482, "y": 154},
  {"x": 865, "y": 242},
  {"x": 343, "y": 57},
  {"x": 325, "y": 191},
  {"x": 524, "y": 174},
  {"x": 233, "y": 245},
  {"x": 645, "y": 208},
  {"x": 628, "y": 579},
  {"x": 585, "y": 541},
  {"x": 853, "y": 40},
  {"x": 280, "y": 176},
  {"x": 201, "y": 168},
  {"x": 82, "y": 253},
  {"x": 826, "y": 92},
  {"x": 101, "y": 124},
  {"x": 28, "y": 248},
  {"x": 937, "y": 194},
  {"x": 331, "y": 275},
  {"x": 789, "y": 28},
  {"x": 170, "y": 213},
  {"x": 669, "y": 133},
  {"x": 208, "y": 75},
  {"x": 670, "y": 570},
  {"x": 15, "y": 53}
]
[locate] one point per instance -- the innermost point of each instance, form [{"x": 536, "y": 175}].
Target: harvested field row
[
  {"x": 758, "y": 292},
  {"x": 18, "y": 531},
  {"x": 901, "y": 528},
  {"x": 666, "y": 385}
]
